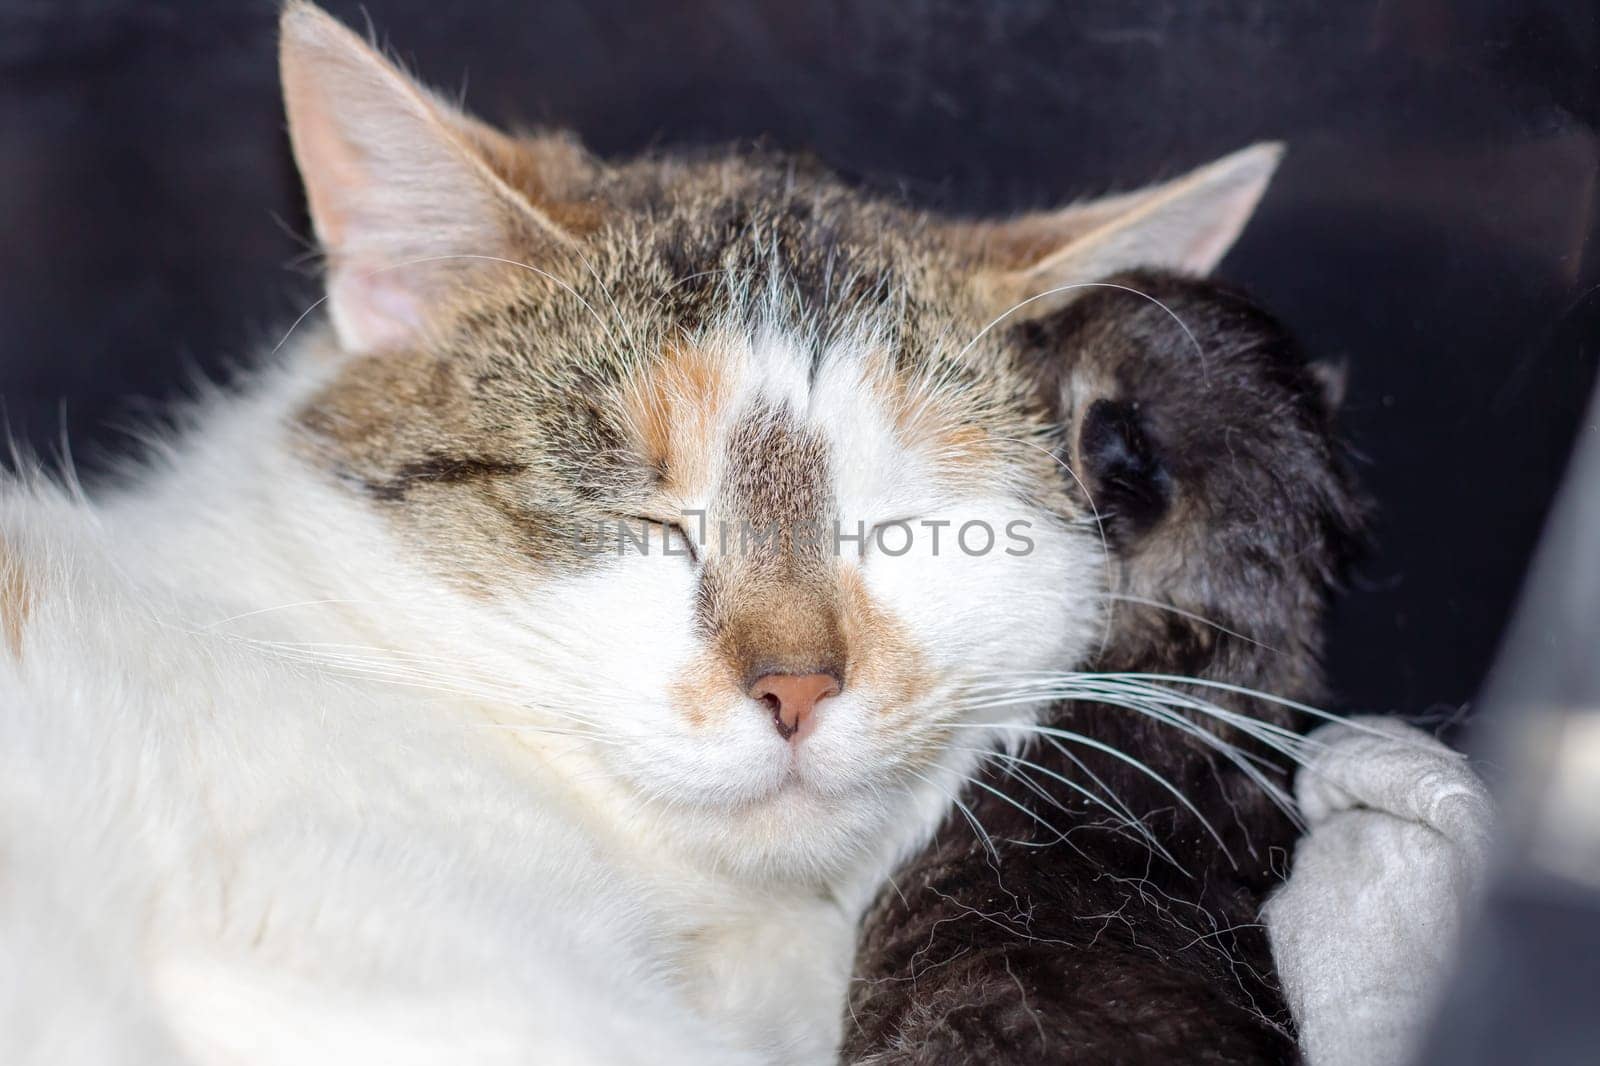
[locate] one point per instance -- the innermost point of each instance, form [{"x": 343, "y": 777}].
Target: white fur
[
  {"x": 274, "y": 793},
  {"x": 1366, "y": 927}
]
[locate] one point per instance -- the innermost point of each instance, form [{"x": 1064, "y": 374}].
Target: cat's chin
[{"x": 795, "y": 831}]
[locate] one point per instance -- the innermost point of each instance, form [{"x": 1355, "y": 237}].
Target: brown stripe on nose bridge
[
  {"x": 771, "y": 600},
  {"x": 776, "y": 481},
  {"x": 782, "y": 627}
]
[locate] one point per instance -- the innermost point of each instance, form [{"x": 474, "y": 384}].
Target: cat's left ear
[
  {"x": 1186, "y": 225},
  {"x": 405, "y": 202}
]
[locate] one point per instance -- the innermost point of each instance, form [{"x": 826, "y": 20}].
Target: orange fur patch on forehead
[
  {"x": 674, "y": 405},
  {"x": 944, "y": 426}
]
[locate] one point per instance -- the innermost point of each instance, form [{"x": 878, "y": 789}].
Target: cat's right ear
[
  {"x": 405, "y": 205},
  {"x": 1038, "y": 263}
]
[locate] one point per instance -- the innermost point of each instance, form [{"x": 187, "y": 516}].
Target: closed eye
[
  {"x": 670, "y": 529},
  {"x": 892, "y": 536}
]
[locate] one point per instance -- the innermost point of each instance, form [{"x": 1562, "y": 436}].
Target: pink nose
[{"x": 793, "y": 698}]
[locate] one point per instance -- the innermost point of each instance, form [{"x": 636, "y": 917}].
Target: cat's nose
[{"x": 793, "y": 699}]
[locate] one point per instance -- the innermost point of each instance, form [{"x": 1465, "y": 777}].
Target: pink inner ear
[{"x": 375, "y": 308}]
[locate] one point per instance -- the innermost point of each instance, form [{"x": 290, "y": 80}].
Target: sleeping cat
[
  {"x": 547, "y": 658},
  {"x": 1110, "y": 907}
]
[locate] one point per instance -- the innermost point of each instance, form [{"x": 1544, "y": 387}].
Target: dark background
[{"x": 1432, "y": 224}]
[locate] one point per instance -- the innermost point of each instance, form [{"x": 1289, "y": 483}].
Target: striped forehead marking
[{"x": 776, "y": 473}]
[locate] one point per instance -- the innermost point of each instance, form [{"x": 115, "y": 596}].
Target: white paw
[{"x": 1363, "y": 930}]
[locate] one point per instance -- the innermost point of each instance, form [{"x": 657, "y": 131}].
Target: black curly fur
[{"x": 1225, "y": 493}]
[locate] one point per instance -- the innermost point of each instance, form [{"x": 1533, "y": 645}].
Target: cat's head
[{"x": 728, "y": 476}]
